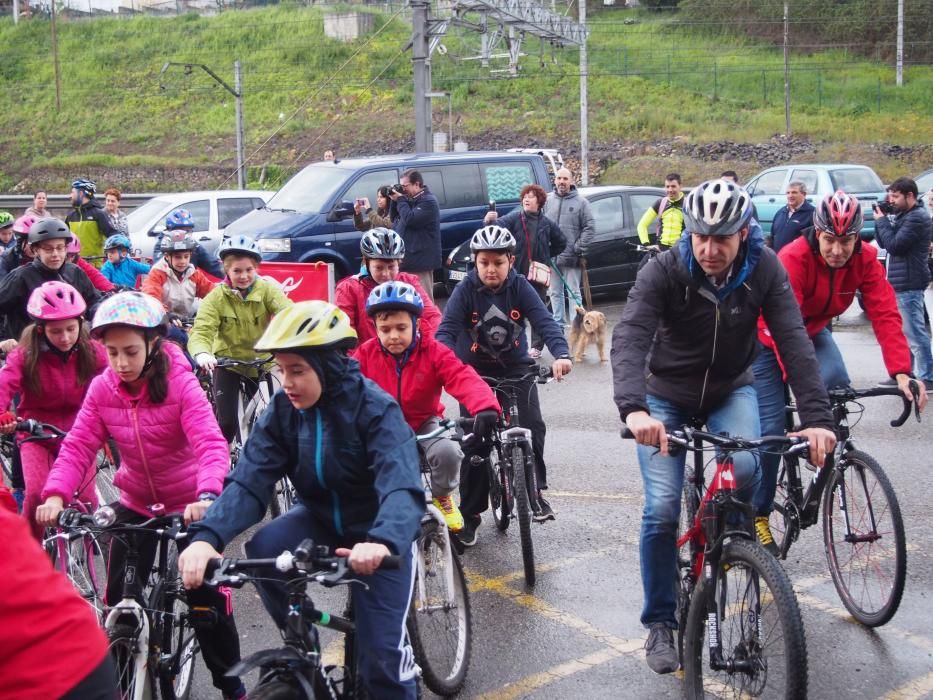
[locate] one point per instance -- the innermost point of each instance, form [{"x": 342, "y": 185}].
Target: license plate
[{"x": 457, "y": 275}]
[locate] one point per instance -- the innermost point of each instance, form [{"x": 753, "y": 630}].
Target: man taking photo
[{"x": 416, "y": 217}]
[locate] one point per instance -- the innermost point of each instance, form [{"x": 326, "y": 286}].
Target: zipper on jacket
[
  {"x": 319, "y": 470},
  {"x": 712, "y": 358},
  {"x": 142, "y": 453}
]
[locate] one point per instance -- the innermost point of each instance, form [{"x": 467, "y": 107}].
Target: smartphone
[
  {"x": 492, "y": 205},
  {"x": 360, "y": 202}
]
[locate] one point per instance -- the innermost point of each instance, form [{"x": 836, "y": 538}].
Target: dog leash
[
  {"x": 585, "y": 284},
  {"x": 576, "y": 299}
]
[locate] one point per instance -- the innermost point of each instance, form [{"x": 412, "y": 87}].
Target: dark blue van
[{"x": 311, "y": 217}]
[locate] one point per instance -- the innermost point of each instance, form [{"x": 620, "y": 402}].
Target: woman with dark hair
[
  {"x": 538, "y": 240},
  {"x": 39, "y": 208},
  {"x": 365, "y": 217}
]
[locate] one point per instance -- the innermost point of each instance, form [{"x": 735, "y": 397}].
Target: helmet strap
[{"x": 152, "y": 349}]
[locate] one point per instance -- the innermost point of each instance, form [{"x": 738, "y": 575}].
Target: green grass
[{"x": 648, "y": 80}]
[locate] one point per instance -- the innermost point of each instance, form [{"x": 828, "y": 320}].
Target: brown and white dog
[{"x": 588, "y": 327}]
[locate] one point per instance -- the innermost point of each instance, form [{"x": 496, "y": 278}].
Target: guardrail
[{"x": 16, "y": 204}]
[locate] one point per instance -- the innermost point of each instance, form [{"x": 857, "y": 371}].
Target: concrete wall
[{"x": 347, "y": 26}]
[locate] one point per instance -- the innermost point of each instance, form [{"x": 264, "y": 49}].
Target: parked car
[
  {"x": 924, "y": 182},
  {"x": 612, "y": 259},
  {"x": 311, "y": 218},
  {"x": 212, "y": 212},
  {"x": 768, "y": 188}
]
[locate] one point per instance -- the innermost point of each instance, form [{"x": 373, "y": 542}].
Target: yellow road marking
[
  {"x": 478, "y": 582},
  {"x": 527, "y": 684},
  {"x": 626, "y": 497},
  {"x": 917, "y": 688}
]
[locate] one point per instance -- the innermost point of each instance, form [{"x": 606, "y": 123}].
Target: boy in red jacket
[
  {"x": 414, "y": 369},
  {"x": 383, "y": 250}
]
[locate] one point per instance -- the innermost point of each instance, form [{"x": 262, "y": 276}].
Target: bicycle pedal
[{"x": 202, "y": 617}]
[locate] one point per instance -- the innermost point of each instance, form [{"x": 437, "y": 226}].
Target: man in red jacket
[
  {"x": 826, "y": 266},
  {"x": 414, "y": 369},
  {"x": 383, "y": 251}
]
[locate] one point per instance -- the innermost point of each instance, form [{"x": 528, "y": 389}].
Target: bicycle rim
[
  {"x": 869, "y": 562},
  {"x": 87, "y": 572},
  {"x": 440, "y": 622},
  {"x": 523, "y": 512},
  {"x": 500, "y": 492},
  {"x": 777, "y": 519},
  {"x": 759, "y": 626},
  {"x": 175, "y": 675}
]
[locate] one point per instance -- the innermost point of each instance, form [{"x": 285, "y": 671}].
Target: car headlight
[{"x": 275, "y": 245}]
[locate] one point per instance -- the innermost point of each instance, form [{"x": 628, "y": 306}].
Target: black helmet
[{"x": 49, "y": 230}]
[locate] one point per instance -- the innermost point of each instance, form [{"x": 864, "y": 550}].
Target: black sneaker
[
  {"x": 659, "y": 649},
  {"x": 542, "y": 511},
  {"x": 467, "y": 535}
]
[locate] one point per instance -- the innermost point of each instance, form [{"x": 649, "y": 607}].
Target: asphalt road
[{"x": 577, "y": 633}]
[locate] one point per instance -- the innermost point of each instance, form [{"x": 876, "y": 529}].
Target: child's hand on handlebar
[
  {"x": 7, "y": 423},
  {"x": 561, "y": 368},
  {"x": 206, "y": 361},
  {"x": 365, "y": 557},
  {"x": 484, "y": 422},
  {"x": 8, "y": 345},
  {"x": 47, "y": 514}
]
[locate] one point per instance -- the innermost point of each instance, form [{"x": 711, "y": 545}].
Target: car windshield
[
  {"x": 139, "y": 218},
  {"x": 856, "y": 181},
  {"x": 310, "y": 189}
]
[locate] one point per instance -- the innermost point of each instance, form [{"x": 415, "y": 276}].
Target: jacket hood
[
  {"x": 90, "y": 204},
  {"x": 335, "y": 371},
  {"x": 743, "y": 265}
]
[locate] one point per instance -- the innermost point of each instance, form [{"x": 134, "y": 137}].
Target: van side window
[
  {"x": 504, "y": 181},
  {"x": 368, "y": 184},
  {"x": 455, "y": 186}
]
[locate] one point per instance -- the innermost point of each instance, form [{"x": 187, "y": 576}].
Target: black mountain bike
[
  {"x": 863, "y": 530},
  {"x": 295, "y": 671}
]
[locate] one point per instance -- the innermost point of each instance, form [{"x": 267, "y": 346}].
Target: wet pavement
[{"x": 577, "y": 634}]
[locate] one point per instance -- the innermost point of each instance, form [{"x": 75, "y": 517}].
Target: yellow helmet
[{"x": 312, "y": 325}]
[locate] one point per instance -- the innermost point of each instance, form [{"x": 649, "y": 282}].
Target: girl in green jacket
[{"x": 229, "y": 322}]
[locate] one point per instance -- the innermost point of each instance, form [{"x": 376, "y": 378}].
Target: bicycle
[
  {"x": 731, "y": 591},
  {"x": 150, "y": 630},
  {"x": 513, "y": 481},
  {"x": 253, "y": 396},
  {"x": 295, "y": 670},
  {"x": 439, "y": 622},
  {"x": 863, "y": 530}
]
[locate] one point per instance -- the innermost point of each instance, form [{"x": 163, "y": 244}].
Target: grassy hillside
[{"x": 651, "y": 77}]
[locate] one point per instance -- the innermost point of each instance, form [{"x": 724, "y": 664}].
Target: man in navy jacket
[
  {"x": 416, "y": 217},
  {"x": 791, "y": 220}
]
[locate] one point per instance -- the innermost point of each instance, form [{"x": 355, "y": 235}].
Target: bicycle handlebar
[
  {"x": 314, "y": 563},
  {"x": 844, "y": 394},
  {"x": 232, "y": 362},
  {"x": 685, "y": 436},
  {"x": 103, "y": 519},
  {"x": 540, "y": 374},
  {"x": 445, "y": 424},
  {"x": 38, "y": 430}
]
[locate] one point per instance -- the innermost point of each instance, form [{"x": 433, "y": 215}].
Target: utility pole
[
  {"x": 422, "y": 75},
  {"x": 237, "y": 92},
  {"x": 584, "y": 105},
  {"x": 56, "y": 64},
  {"x": 900, "y": 43},
  {"x": 786, "y": 68},
  {"x": 15, "y": 11}
]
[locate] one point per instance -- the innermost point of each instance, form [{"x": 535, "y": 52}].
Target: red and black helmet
[{"x": 839, "y": 214}]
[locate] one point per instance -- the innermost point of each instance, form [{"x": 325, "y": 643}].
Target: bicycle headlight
[{"x": 105, "y": 516}]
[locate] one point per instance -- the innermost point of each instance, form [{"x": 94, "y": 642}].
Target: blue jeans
[
  {"x": 769, "y": 385},
  {"x": 663, "y": 477},
  {"x": 559, "y": 294},
  {"x": 910, "y": 304},
  {"x": 386, "y": 659}
]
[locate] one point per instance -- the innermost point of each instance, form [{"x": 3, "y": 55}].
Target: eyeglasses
[{"x": 45, "y": 248}]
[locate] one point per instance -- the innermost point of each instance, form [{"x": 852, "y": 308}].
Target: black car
[{"x": 612, "y": 260}]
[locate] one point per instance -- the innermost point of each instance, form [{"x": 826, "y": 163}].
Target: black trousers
[
  {"x": 474, "y": 479},
  {"x": 226, "y": 387},
  {"x": 220, "y": 644},
  {"x": 97, "y": 685}
]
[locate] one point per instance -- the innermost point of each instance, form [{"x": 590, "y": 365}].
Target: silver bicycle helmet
[
  {"x": 717, "y": 208},
  {"x": 240, "y": 245},
  {"x": 492, "y": 237},
  {"x": 382, "y": 244}
]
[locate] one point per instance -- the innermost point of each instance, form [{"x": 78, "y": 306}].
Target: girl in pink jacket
[
  {"x": 51, "y": 370},
  {"x": 173, "y": 453}
]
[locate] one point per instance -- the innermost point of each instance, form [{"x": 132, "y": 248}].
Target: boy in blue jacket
[
  {"x": 484, "y": 323},
  {"x": 120, "y": 268},
  {"x": 344, "y": 445}
]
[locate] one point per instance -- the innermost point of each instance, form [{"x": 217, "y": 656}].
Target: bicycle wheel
[
  {"x": 500, "y": 491},
  {"x": 278, "y": 690},
  {"x": 283, "y": 499},
  {"x": 523, "y": 512},
  {"x": 760, "y": 630},
  {"x": 7, "y": 446},
  {"x": 868, "y": 561},
  {"x": 439, "y": 622},
  {"x": 80, "y": 559},
  {"x": 172, "y": 636},
  {"x": 106, "y": 470},
  {"x": 690, "y": 503},
  {"x": 132, "y": 672}
]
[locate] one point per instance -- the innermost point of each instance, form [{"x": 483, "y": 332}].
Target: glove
[
  {"x": 484, "y": 423},
  {"x": 7, "y": 422},
  {"x": 205, "y": 359}
]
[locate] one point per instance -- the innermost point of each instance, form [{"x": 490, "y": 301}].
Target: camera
[
  {"x": 398, "y": 188},
  {"x": 884, "y": 206}
]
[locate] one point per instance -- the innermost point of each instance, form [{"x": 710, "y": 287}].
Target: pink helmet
[
  {"x": 55, "y": 301},
  {"x": 74, "y": 245},
  {"x": 22, "y": 225}
]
